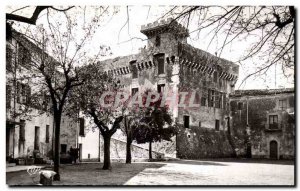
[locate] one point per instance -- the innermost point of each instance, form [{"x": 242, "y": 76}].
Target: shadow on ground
[{"x": 87, "y": 174}]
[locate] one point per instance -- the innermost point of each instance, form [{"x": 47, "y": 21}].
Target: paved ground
[{"x": 182, "y": 172}]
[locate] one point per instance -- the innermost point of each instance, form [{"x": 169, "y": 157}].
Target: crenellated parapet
[
  {"x": 207, "y": 70},
  {"x": 165, "y": 25},
  {"x": 205, "y": 62},
  {"x": 141, "y": 65}
]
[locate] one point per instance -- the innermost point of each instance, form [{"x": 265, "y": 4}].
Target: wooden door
[{"x": 273, "y": 150}]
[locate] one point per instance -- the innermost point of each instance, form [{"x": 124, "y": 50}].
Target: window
[
  {"x": 8, "y": 59},
  {"x": 24, "y": 57},
  {"x": 215, "y": 76},
  {"x": 204, "y": 83},
  {"x": 8, "y": 96},
  {"x": 217, "y": 100},
  {"x": 22, "y": 130},
  {"x": 211, "y": 95},
  {"x": 134, "y": 69},
  {"x": 19, "y": 92},
  {"x": 37, "y": 138},
  {"x": 46, "y": 101},
  {"x": 291, "y": 101},
  {"x": 273, "y": 122},
  {"x": 81, "y": 127},
  {"x": 233, "y": 106},
  {"x": 23, "y": 93},
  {"x": 224, "y": 101},
  {"x": 160, "y": 88},
  {"x": 240, "y": 106},
  {"x": 159, "y": 60},
  {"x": 282, "y": 104},
  {"x": 204, "y": 98},
  {"x": 186, "y": 121},
  {"x": 217, "y": 125},
  {"x": 197, "y": 98},
  {"x": 63, "y": 148},
  {"x": 221, "y": 100},
  {"x": 203, "y": 101},
  {"x": 47, "y": 134},
  {"x": 134, "y": 91},
  {"x": 157, "y": 40},
  {"x": 220, "y": 83}
]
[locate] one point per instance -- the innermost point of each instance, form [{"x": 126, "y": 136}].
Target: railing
[{"x": 274, "y": 127}]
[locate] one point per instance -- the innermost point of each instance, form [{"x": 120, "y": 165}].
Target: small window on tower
[
  {"x": 134, "y": 69},
  {"x": 157, "y": 40},
  {"x": 134, "y": 91},
  {"x": 186, "y": 121},
  {"x": 215, "y": 77},
  {"x": 240, "y": 106},
  {"x": 160, "y": 88},
  {"x": 217, "y": 125},
  {"x": 159, "y": 60}
]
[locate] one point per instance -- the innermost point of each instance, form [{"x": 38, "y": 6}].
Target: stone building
[
  {"x": 29, "y": 126},
  {"x": 263, "y": 123},
  {"x": 169, "y": 64}
]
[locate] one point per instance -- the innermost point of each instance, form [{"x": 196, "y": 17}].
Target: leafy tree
[
  {"x": 92, "y": 101},
  {"x": 154, "y": 123}
]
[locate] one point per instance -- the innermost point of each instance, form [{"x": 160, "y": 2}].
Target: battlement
[{"x": 165, "y": 25}]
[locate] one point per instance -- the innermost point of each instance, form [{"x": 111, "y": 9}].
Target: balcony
[{"x": 274, "y": 127}]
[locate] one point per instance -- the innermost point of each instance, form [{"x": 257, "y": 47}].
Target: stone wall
[
  {"x": 118, "y": 151},
  {"x": 196, "y": 143},
  {"x": 260, "y": 107}
]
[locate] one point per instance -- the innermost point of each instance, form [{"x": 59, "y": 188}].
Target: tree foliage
[
  {"x": 88, "y": 99},
  {"x": 155, "y": 123}
]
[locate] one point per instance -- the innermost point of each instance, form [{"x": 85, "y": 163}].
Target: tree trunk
[
  {"x": 150, "y": 150},
  {"x": 106, "y": 162},
  {"x": 128, "y": 149},
  {"x": 57, "y": 118}
]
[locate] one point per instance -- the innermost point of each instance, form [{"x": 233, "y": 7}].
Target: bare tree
[
  {"x": 65, "y": 40},
  {"x": 32, "y": 20},
  {"x": 272, "y": 27}
]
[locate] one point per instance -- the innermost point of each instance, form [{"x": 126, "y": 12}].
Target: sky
[{"x": 116, "y": 33}]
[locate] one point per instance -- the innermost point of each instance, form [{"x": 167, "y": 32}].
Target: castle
[{"x": 214, "y": 127}]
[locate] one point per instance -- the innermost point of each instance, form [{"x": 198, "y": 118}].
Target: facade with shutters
[
  {"x": 29, "y": 125},
  {"x": 263, "y": 123}
]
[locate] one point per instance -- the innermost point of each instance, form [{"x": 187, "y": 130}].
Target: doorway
[{"x": 273, "y": 150}]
